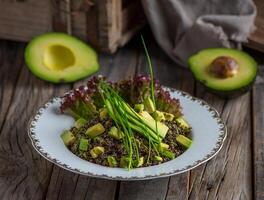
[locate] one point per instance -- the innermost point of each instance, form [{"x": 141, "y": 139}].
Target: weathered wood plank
[
  {"x": 178, "y": 187},
  {"x": 124, "y": 64},
  {"x": 93, "y": 188},
  {"x": 24, "y": 20},
  {"x": 23, "y": 173},
  {"x": 228, "y": 175},
  {"x": 258, "y": 136},
  {"x": 166, "y": 188},
  {"x": 141, "y": 190},
  {"x": 67, "y": 185},
  {"x": 10, "y": 66}
]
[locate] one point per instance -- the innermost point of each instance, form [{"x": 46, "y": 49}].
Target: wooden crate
[
  {"x": 105, "y": 24},
  {"x": 256, "y": 39}
]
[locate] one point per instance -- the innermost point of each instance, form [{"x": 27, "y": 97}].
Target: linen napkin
[{"x": 183, "y": 27}]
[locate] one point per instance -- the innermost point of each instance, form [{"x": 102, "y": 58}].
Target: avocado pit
[
  {"x": 224, "y": 67},
  {"x": 224, "y": 71}
]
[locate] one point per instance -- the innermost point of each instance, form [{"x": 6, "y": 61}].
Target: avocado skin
[{"x": 228, "y": 94}]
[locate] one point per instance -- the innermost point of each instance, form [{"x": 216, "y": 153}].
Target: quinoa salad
[{"x": 128, "y": 124}]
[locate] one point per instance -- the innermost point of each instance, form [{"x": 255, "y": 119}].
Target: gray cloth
[{"x": 183, "y": 27}]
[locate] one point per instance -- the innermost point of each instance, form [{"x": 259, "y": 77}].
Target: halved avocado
[
  {"x": 58, "y": 57},
  {"x": 226, "y": 72}
]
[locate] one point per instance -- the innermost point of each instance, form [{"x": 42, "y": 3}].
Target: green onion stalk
[
  {"x": 152, "y": 79},
  {"x": 129, "y": 121}
]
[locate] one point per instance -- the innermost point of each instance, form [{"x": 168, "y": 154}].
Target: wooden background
[
  {"x": 256, "y": 39},
  {"x": 235, "y": 173}
]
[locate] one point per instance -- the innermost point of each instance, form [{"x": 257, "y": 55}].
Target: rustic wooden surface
[{"x": 235, "y": 173}]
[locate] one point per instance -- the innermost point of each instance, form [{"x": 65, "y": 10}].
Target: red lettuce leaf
[{"x": 85, "y": 101}]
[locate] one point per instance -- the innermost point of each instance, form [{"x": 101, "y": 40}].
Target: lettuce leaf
[{"x": 85, "y": 101}]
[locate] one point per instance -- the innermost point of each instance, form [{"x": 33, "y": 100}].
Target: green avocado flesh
[
  {"x": 200, "y": 62},
  {"x": 58, "y": 57}
]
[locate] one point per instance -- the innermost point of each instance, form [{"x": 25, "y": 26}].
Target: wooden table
[{"x": 235, "y": 173}]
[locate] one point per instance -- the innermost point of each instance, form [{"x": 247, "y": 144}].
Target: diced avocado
[
  {"x": 103, "y": 113},
  {"x": 111, "y": 161},
  {"x": 139, "y": 107},
  {"x": 67, "y": 137},
  {"x": 168, "y": 154},
  {"x": 96, "y": 151},
  {"x": 164, "y": 145},
  {"x": 149, "y": 105},
  {"x": 182, "y": 122},
  {"x": 84, "y": 143},
  {"x": 115, "y": 133},
  {"x": 168, "y": 116},
  {"x": 184, "y": 141},
  {"x": 95, "y": 130},
  {"x": 140, "y": 162},
  {"x": 123, "y": 162},
  {"x": 80, "y": 122},
  {"x": 93, "y": 154},
  {"x": 225, "y": 72},
  {"x": 157, "y": 115},
  {"x": 162, "y": 129},
  {"x": 158, "y": 158},
  {"x": 58, "y": 57},
  {"x": 164, "y": 150}
]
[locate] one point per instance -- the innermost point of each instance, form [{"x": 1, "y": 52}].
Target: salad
[
  {"x": 128, "y": 124},
  {"x": 119, "y": 125}
]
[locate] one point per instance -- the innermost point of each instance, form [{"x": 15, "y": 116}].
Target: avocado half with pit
[
  {"x": 58, "y": 57},
  {"x": 226, "y": 72}
]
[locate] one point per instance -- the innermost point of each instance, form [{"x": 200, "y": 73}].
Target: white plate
[{"x": 208, "y": 135}]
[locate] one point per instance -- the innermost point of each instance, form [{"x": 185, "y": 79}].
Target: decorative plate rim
[{"x": 220, "y": 141}]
